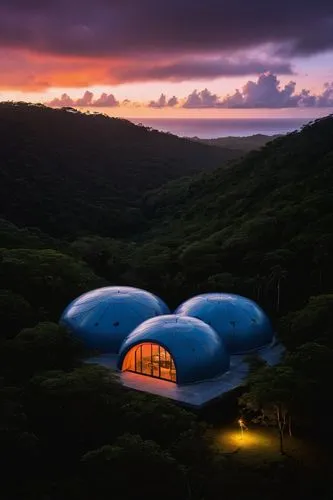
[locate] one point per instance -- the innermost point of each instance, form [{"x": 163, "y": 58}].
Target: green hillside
[
  {"x": 67, "y": 172},
  {"x": 270, "y": 213},
  {"x": 261, "y": 227},
  {"x": 250, "y": 227}
]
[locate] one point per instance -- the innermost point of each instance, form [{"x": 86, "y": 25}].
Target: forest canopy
[{"x": 88, "y": 201}]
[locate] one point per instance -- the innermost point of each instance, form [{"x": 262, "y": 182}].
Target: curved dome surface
[
  {"x": 103, "y": 318},
  {"x": 240, "y": 322},
  {"x": 197, "y": 351}
]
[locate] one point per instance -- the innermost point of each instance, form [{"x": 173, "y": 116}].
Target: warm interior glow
[{"x": 152, "y": 360}]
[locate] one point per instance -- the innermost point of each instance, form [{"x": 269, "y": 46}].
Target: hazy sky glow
[{"x": 175, "y": 58}]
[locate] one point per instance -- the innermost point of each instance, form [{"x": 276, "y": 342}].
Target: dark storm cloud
[
  {"x": 118, "y": 28},
  {"x": 186, "y": 69}
]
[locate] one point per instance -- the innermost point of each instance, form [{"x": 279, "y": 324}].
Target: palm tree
[
  {"x": 259, "y": 282},
  {"x": 276, "y": 276}
]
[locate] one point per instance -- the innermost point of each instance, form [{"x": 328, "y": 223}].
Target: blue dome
[
  {"x": 103, "y": 318},
  {"x": 239, "y": 321},
  {"x": 197, "y": 352}
]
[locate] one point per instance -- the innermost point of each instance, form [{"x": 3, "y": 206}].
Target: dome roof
[
  {"x": 239, "y": 321},
  {"x": 196, "y": 349},
  {"x": 103, "y": 318}
]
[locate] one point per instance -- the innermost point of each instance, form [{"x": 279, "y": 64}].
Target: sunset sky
[{"x": 170, "y": 58}]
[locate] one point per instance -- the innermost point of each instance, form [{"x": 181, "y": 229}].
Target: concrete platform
[{"x": 198, "y": 394}]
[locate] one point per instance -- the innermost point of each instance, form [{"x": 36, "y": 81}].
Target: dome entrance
[{"x": 152, "y": 360}]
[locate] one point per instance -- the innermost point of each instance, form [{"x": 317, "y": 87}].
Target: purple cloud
[
  {"x": 106, "y": 101},
  {"x": 203, "y": 99},
  {"x": 326, "y": 98},
  {"x": 87, "y": 101},
  {"x": 266, "y": 92},
  {"x": 163, "y": 102},
  {"x": 61, "y": 102}
]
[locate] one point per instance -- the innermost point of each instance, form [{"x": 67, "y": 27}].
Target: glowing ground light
[
  {"x": 261, "y": 444},
  {"x": 249, "y": 440}
]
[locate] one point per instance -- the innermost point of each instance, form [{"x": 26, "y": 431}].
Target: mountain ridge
[{"x": 69, "y": 172}]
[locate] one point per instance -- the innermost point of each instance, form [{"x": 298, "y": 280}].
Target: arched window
[{"x": 152, "y": 360}]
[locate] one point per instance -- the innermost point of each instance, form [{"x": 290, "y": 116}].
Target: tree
[
  {"x": 321, "y": 257},
  {"x": 312, "y": 323},
  {"x": 313, "y": 363},
  {"x": 47, "y": 279},
  {"x": 157, "y": 419},
  {"x": 277, "y": 275},
  {"x": 107, "y": 257},
  {"x": 143, "y": 461},
  {"x": 15, "y": 313},
  {"x": 223, "y": 282},
  {"x": 200, "y": 258},
  {"x": 46, "y": 346},
  {"x": 259, "y": 284},
  {"x": 271, "y": 394},
  {"x": 76, "y": 410}
]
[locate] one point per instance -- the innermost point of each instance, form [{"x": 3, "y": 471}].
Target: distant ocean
[{"x": 212, "y": 128}]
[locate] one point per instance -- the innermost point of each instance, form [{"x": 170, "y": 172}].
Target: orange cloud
[
  {"x": 25, "y": 71},
  {"x": 28, "y": 71}
]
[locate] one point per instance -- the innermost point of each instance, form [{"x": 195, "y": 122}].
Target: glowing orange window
[{"x": 152, "y": 360}]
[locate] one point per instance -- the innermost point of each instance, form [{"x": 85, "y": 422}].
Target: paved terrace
[{"x": 200, "y": 393}]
